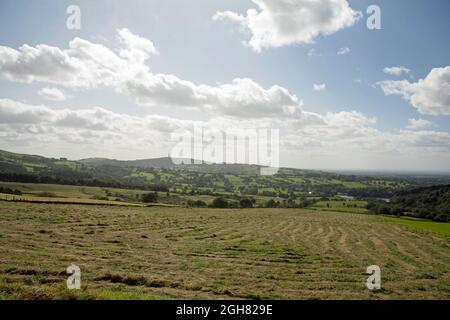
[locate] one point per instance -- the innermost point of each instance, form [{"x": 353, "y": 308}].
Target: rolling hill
[{"x": 162, "y": 174}]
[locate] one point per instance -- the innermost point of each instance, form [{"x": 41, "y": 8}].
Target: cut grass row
[{"x": 171, "y": 253}]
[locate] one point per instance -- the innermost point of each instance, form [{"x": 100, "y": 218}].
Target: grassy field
[
  {"x": 172, "y": 253},
  {"x": 124, "y": 195},
  {"x": 69, "y": 191},
  {"x": 423, "y": 225},
  {"x": 57, "y": 200}
]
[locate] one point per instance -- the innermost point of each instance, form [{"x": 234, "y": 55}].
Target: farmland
[
  {"x": 148, "y": 229},
  {"x": 202, "y": 179},
  {"x": 172, "y": 253}
]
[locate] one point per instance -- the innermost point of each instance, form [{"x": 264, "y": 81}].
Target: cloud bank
[{"x": 240, "y": 104}]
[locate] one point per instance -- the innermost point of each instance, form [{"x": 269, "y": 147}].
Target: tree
[
  {"x": 151, "y": 197},
  {"x": 246, "y": 203},
  {"x": 219, "y": 203},
  {"x": 271, "y": 204},
  {"x": 198, "y": 203}
]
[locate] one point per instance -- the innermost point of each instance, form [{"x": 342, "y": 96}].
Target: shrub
[
  {"x": 10, "y": 191},
  {"x": 220, "y": 203},
  {"x": 151, "y": 197},
  {"x": 246, "y": 203},
  {"x": 271, "y": 204},
  {"x": 198, "y": 203}
]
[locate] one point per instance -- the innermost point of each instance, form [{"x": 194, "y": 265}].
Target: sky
[{"x": 343, "y": 96}]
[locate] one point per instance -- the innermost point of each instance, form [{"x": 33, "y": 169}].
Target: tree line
[{"x": 431, "y": 203}]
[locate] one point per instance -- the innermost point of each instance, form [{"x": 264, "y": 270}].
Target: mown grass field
[
  {"x": 173, "y": 253},
  {"x": 439, "y": 228}
]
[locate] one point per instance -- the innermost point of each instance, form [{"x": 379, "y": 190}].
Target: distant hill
[
  {"x": 146, "y": 163},
  {"x": 162, "y": 174},
  {"x": 176, "y": 163}
]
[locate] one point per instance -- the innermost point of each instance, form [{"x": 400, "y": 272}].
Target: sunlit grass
[
  {"x": 440, "y": 228},
  {"x": 172, "y": 253}
]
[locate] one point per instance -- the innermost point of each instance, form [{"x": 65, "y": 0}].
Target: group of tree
[
  {"x": 151, "y": 197},
  {"x": 196, "y": 203},
  {"x": 107, "y": 182},
  {"x": 290, "y": 203},
  {"x": 429, "y": 203},
  {"x": 10, "y": 191},
  {"x": 221, "y": 202}
]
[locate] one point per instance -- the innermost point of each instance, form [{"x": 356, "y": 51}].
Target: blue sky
[{"x": 194, "y": 47}]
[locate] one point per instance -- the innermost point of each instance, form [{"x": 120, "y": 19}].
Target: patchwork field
[
  {"x": 57, "y": 200},
  {"x": 172, "y": 253}
]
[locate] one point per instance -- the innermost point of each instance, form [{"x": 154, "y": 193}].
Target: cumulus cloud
[
  {"x": 137, "y": 48},
  {"x": 319, "y": 87},
  {"x": 52, "y": 94},
  {"x": 241, "y": 103},
  {"x": 85, "y": 65},
  {"x": 240, "y": 98},
  {"x": 353, "y": 133},
  {"x": 396, "y": 71},
  {"x": 40, "y": 63},
  {"x": 286, "y": 22},
  {"x": 92, "y": 118},
  {"x": 343, "y": 51},
  {"x": 322, "y": 137},
  {"x": 429, "y": 96},
  {"x": 416, "y": 124}
]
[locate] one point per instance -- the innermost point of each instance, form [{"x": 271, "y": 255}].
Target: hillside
[
  {"x": 427, "y": 202},
  {"x": 162, "y": 174},
  {"x": 165, "y": 162}
]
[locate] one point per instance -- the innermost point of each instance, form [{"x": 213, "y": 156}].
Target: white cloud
[
  {"x": 96, "y": 131},
  {"x": 52, "y": 94},
  {"x": 137, "y": 48},
  {"x": 83, "y": 64},
  {"x": 86, "y": 64},
  {"x": 429, "y": 96},
  {"x": 241, "y": 103},
  {"x": 279, "y": 23},
  {"x": 396, "y": 71},
  {"x": 240, "y": 98},
  {"x": 319, "y": 87},
  {"x": 40, "y": 63},
  {"x": 415, "y": 124},
  {"x": 343, "y": 51}
]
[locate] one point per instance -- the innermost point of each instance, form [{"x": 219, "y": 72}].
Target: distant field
[
  {"x": 75, "y": 194},
  {"x": 69, "y": 191},
  {"x": 125, "y": 195},
  {"x": 171, "y": 253},
  {"x": 57, "y": 200}
]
